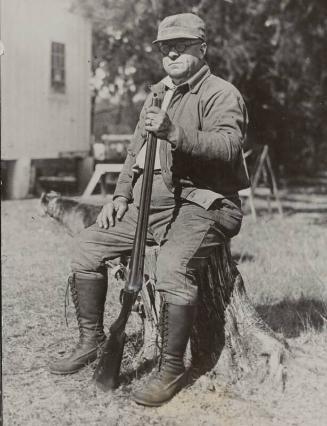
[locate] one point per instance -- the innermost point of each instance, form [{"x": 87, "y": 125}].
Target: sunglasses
[{"x": 179, "y": 46}]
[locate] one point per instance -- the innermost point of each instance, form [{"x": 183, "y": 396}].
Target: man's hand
[
  {"x": 158, "y": 122},
  {"x": 112, "y": 210}
]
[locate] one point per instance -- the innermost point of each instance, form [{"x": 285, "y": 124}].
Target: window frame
[{"x": 58, "y": 67}]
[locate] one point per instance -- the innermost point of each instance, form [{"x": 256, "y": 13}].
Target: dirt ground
[{"x": 283, "y": 262}]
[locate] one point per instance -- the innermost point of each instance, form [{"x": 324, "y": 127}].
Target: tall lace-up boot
[
  {"x": 89, "y": 297},
  {"x": 176, "y": 325}
]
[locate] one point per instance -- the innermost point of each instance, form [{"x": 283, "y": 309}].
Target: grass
[{"x": 283, "y": 262}]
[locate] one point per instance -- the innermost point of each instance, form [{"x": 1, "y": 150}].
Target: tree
[{"x": 274, "y": 52}]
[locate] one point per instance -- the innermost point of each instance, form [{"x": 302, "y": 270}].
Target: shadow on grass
[
  {"x": 289, "y": 317},
  {"x": 137, "y": 373},
  {"x": 320, "y": 221},
  {"x": 292, "y": 317},
  {"x": 243, "y": 257},
  {"x": 132, "y": 349}
]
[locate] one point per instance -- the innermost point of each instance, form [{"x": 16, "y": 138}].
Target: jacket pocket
[{"x": 227, "y": 215}]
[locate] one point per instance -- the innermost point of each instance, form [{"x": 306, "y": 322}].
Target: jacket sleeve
[{"x": 223, "y": 128}]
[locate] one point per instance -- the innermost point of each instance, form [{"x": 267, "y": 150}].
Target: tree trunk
[{"x": 228, "y": 338}]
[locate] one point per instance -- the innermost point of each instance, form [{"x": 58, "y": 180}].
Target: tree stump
[{"x": 228, "y": 338}]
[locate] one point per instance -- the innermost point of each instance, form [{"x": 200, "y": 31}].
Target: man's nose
[{"x": 173, "y": 54}]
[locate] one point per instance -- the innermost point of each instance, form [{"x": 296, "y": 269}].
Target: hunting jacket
[{"x": 211, "y": 119}]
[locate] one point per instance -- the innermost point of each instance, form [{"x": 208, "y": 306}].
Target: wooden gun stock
[{"x": 106, "y": 375}]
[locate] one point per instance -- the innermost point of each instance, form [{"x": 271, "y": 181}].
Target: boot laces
[
  {"x": 67, "y": 301},
  {"x": 164, "y": 336},
  {"x": 73, "y": 289}
]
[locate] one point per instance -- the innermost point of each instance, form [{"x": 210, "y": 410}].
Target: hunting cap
[{"x": 183, "y": 25}]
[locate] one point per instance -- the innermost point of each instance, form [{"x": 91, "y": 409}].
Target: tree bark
[{"x": 228, "y": 337}]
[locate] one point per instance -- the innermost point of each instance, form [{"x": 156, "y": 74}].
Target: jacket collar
[
  {"x": 193, "y": 84},
  {"x": 196, "y": 81}
]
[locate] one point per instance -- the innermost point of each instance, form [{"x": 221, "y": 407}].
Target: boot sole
[
  {"x": 66, "y": 373},
  {"x": 76, "y": 370},
  {"x": 157, "y": 404}
]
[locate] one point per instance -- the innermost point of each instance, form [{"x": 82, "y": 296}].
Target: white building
[{"x": 45, "y": 71}]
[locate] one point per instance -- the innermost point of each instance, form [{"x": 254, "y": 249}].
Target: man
[{"x": 194, "y": 207}]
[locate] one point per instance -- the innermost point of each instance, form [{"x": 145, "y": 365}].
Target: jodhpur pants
[{"x": 186, "y": 233}]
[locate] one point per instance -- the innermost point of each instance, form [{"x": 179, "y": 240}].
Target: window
[{"x": 58, "y": 74}]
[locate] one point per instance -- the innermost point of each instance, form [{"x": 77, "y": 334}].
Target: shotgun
[{"x": 106, "y": 375}]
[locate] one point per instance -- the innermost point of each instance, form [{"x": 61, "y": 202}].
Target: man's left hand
[{"x": 158, "y": 122}]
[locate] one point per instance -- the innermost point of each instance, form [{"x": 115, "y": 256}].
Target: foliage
[{"x": 274, "y": 52}]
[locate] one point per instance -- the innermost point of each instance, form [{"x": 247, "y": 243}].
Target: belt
[
  {"x": 155, "y": 172},
  {"x": 140, "y": 172}
]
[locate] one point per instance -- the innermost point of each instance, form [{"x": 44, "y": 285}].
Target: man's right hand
[{"x": 112, "y": 210}]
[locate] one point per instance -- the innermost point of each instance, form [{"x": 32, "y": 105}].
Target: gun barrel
[{"x": 106, "y": 374}]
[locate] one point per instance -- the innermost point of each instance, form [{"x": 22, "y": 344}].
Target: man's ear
[{"x": 203, "y": 49}]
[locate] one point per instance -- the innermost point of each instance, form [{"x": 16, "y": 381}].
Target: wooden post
[
  {"x": 248, "y": 192},
  {"x": 259, "y": 168},
  {"x": 18, "y": 178},
  {"x": 274, "y": 186},
  {"x": 264, "y": 169},
  {"x": 84, "y": 171}
]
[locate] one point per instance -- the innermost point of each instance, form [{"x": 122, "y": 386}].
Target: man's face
[{"x": 181, "y": 64}]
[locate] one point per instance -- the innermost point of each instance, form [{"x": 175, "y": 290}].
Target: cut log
[{"x": 228, "y": 338}]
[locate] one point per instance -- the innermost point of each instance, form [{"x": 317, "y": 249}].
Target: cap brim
[{"x": 176, "y": 36}]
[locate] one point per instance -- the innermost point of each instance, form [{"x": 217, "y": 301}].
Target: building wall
[{"x": 36, "y": 121}]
